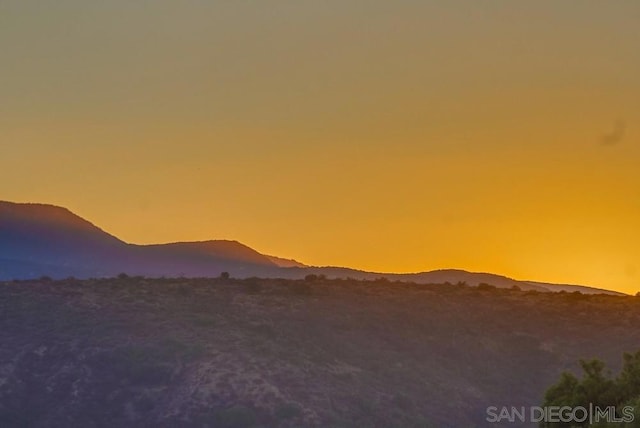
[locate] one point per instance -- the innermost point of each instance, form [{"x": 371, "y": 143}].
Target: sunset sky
[{"x": 383, "y": 135}]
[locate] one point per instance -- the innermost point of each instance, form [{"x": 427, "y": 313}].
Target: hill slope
[{"x": 277, "y": 353}]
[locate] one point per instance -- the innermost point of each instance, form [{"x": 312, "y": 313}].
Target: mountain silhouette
[
  {"x": 37, "y": 239},
  {"x": 45, "y": 240}
]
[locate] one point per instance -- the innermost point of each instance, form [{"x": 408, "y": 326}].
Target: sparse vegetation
[{"x": 165, "y": 352}]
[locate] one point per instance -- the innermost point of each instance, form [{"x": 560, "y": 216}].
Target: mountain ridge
[{"x": 47, "y": 240}]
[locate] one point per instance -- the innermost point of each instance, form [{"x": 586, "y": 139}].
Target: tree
[
  {"x": 564, "y": 392},
  {"x": 629, "y": 377},
  {"x": 597, "y": 388},
  {"x": 224, "y": 275}
]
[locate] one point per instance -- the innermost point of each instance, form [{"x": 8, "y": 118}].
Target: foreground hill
[
  {"x": 44, "y": 240},
  {"x": 136, "y": 352}
]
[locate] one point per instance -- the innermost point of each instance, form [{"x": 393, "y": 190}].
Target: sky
[{"x": 395, "y": 136}]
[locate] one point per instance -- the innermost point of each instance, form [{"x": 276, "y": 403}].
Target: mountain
[
  {"x": 286, "y": 263},
  {"x": 45, "y": 240},
  {"x": 37, "y": 240},
  {"x": 199, "y": 259},
  {"x": 569, "y": 288},
  {"x": 442, "y": 276}
]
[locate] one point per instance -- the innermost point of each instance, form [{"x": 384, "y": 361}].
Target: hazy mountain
[
  {"x": 286, "y": 263},
  {"x": 569, "y": 288},
  {"x": 50, "y": 240},
  {"x": 441, "y": 276},
  {"x": 199, "y": 259},
  {"x": 38, "y": 240}
]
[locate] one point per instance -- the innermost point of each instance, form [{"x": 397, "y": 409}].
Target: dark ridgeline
[{"x": 44, "y": 240}]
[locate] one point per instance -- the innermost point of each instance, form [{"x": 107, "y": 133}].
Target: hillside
[{"x": 135, "y": 352}]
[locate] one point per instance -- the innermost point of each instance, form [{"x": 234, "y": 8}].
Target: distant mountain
[
  {"x": 286, "y": 263},
  {"x": 44, "y": 240},
  {"x": 37, "y": 240},
  {"x": 51, "y": 240},
  {"x": 199, "y": 259},
  {"x": 569, "y": 288},
  {"x": 442, "y": 276}
]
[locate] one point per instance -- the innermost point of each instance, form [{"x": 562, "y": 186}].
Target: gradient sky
[{"x": 382, "y": 135}]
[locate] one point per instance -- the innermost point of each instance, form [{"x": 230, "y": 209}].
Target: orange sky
[{"x": 387, "y": 136}]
